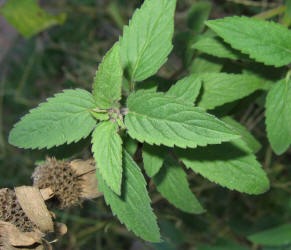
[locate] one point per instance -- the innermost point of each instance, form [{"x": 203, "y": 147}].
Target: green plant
[
  {"x": 173, "y": 130},
  {"x": 28, "y": 18}
]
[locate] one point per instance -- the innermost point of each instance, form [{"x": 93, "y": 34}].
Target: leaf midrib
[
  {"x": 256, "y": 39},
  {"x": 176, "y": 122},
  {"x": 145, "y": 46}
]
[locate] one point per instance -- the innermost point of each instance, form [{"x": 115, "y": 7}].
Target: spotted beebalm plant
[{"x": 174, "y": 127}]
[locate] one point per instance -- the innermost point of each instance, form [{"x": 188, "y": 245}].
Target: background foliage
[{"x": 67, "y": 56}]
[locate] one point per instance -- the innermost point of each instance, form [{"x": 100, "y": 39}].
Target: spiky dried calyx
[
  {"x": 61, "y": 178},
  {"x": 12, "y": 212},
  {"x": 71, "y": 182}
]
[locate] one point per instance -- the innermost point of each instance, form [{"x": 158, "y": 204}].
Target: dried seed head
[
  {"x": 11, "y": 211},
  {"x": 61, "y": 178},
  {"x": 11, "y": 238}
]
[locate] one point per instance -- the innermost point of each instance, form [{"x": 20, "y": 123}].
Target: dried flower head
[
  {"x": 12, "y": 212},
  {"x": 25, "y": 219},
  {"x": 61, "y": 178},
  {"x": 70, "y": 182},
  {"x": 12, "y": 238}
]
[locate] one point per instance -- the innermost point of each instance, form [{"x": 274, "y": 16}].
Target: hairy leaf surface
[
  {"x": 186, "y": 89},
  {"x": 147, "y": 41},
  {"x": 130, "y": 145},
  {"x": 216, "y": 47},
  {"x": 205, "y": 63},
  {"x": 107, "y": 150},
  {"x": 133, "y": 206},
  {"x": 264, "y": 41},
  {"x": 231, "y": 165},
  {"x": 153, "y": 158},
  {"x": 62, "y": 119},
  {"x": 278, "y": 116},
  {"x": 246, "y": 136},
  {"x": 157, "y": 119},
  {"x": 108, "y": 79},
  {"x": 172, "y": 183},
  {"x": 221, "y": 88}
]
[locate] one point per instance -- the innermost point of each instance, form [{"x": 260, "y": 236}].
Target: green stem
[
  {"x": 132, "y": 85},
  {"x": 25, "y": 75},
  {"x": 271, "y": 13}
]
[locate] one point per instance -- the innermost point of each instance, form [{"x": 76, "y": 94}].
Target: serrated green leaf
[
  {"x": 158, "y": 119},
  {"x": 172, "y": 236},
  {"x": 197, "y": 15},
  {"x": 205, "y": 63},
  {"x": 153, "y": 158},
  {"x": 108, "y": 79},
  {"x": 107, "y": 150},
  {"x": 130, "y": 145},
  {"x": 149, "y": 85},
  {"x": 28, "y": 18},
  {"x": 278, "y": 119},
  {"x": 171, "y": 182},
  {"x": 277, "y": 236},
  {"x": 146, "y": 42},
  {"x": 182, "y": 46},
  {"x": 101, "y": 116},
  {"x": 264, "y": 41},
  {"x": 230, "y": 165},
  {"x": 246, "y": 136},
  {"x": 216, "y": 47},
  {"x": 187, "y": 89},
  {"x": 62, "y": 119},
  {"x": 221, "y": 88},
  {"x": 133, "y": 207}
]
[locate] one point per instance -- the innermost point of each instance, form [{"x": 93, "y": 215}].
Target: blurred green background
[{"x": 67, "y": 56}]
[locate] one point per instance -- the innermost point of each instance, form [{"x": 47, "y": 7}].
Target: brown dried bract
[
  {"x": 86, "y": 170},
  {"x": 13, "y": 238},
  {"x": 31, "y": 201},
  {"x": 25, "y": 219},
  {"x": 70, "y": 182}
]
